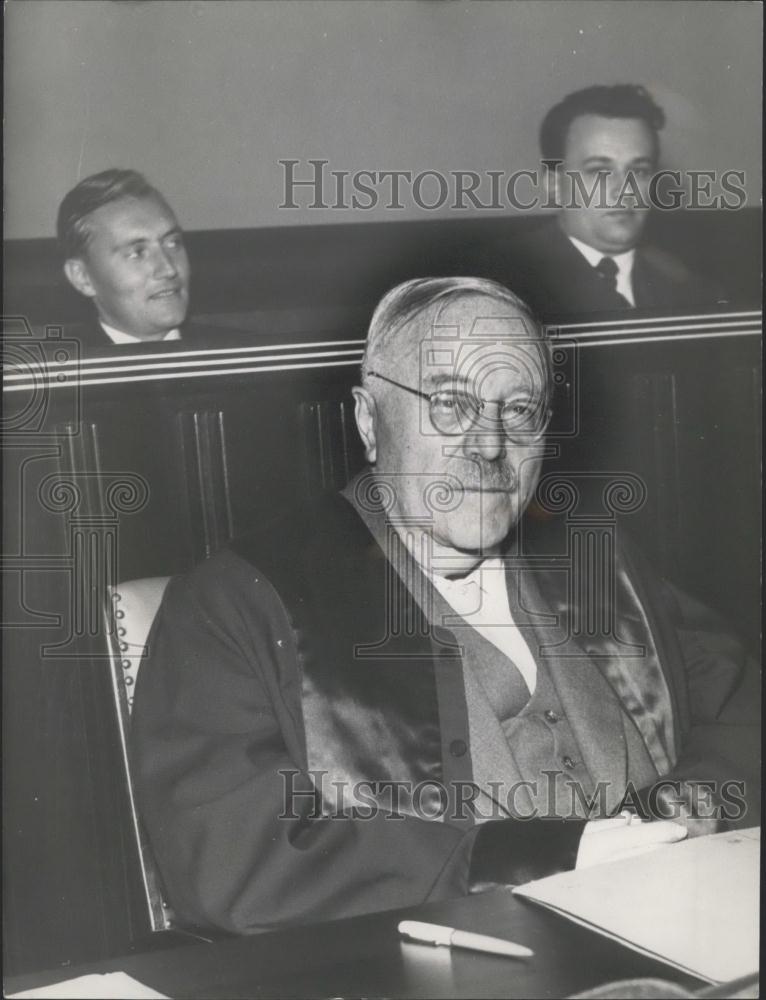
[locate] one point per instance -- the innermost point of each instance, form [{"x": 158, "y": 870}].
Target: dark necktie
[{"x": 607, "y": 269}]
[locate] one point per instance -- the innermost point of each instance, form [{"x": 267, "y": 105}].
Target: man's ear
[
  {"x": 366, "y": 416},
  {"x": 77, "y": 275}
]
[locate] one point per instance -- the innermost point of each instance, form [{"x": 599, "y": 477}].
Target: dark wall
[{"x": 310, "y": 280}]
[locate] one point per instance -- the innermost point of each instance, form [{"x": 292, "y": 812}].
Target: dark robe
[{"x": 272, "y": 671}]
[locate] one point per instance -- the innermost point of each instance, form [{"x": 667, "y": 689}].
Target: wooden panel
[
  {"x": 684, "y": 417},
  {"x": 333, "y": 451},
  {"x": 201, "y": 435},
  {"x": 68, "y": 865}
]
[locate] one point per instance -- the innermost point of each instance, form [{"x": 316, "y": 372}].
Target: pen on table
[{"x": 452, "y": 938}]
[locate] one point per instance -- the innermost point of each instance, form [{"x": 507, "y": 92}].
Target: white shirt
[
  {"x": 118, "y": 337},
  {"x": 624, "y": 262},
  {"x": 481, "y": 598}
]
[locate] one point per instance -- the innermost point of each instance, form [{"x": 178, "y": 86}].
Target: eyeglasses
[{"x": 454, "y": 411}]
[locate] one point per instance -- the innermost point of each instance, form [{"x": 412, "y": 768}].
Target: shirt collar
[
  {"x": 480, "y": 576},
  {"x": 118, "y": 337},
  {"x": 624, "y": 261},
  {"x": 438, "y": 578}
]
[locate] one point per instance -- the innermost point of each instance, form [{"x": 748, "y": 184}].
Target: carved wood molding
[{"x": 53, "y": 368}]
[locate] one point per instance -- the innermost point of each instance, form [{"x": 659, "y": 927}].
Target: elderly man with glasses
[{"x": 375, "y": 705}]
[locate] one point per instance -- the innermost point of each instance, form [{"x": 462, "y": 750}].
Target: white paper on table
[
  {"x": 110, "y": 986},
  {"x": 693, "y": 904}
]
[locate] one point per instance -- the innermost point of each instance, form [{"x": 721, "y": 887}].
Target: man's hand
[
  {"x": 691, "y": 804},
  {"x": 624, "y": 836}
]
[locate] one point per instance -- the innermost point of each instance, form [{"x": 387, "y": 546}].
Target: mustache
[
  {"x": 510, "y": 487},
  {"x": 489, "y": 480}
]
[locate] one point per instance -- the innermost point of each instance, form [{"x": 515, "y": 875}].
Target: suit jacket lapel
[
  {"x": 574, "y": 284},
  {"x": 649, "y": 287},
  {"x": 492, "y": 758}
]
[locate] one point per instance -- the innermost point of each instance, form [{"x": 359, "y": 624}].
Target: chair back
[{"x": 132, "y": 608}]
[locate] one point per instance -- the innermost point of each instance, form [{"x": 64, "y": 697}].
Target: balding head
[{"x": 440, "y": 308}]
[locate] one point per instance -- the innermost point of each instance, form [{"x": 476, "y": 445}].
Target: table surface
[{"x": 365, "y": 957}]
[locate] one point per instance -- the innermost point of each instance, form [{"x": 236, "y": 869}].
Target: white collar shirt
[
  {"x": 624, "y": 262},
  {"x": 118, "y": 337},
  {"x": 481, "y": 598}
]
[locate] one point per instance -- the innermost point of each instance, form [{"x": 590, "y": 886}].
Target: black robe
[{"x": 253, "y": 678}]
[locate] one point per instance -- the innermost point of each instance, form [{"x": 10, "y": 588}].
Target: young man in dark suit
[
  {"x": 600, "y": 147},
  {"x": 123, "y": 248}
]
